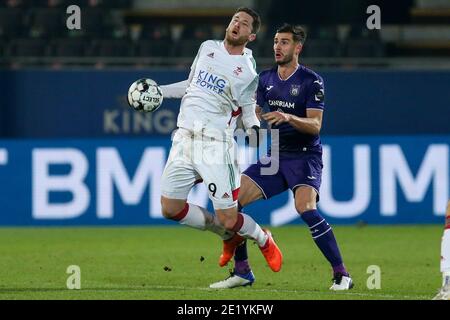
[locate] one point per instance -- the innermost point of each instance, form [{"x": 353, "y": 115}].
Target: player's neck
[
  {"x": 285, "y": 71},
  {"x": 233, "y": 50}
]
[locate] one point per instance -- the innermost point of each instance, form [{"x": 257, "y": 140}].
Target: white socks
[
  {"x": 250, "y": 229},
  {"x": 199, "y": 218}
]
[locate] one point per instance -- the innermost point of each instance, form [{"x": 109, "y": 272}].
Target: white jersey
[{"x": 220, "y": 87}]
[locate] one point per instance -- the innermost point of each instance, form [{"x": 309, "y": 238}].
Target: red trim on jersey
[
  {"x": 180, "y": 215},
  {"x": 239, "y": 222},
  {"x": 447, "y": 222},
  {"x": 235, "y": 114},
  {"x": 235, "y": 193}
]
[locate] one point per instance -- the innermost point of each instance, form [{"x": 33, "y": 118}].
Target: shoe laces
[
  {"x": 232, "y": 273},
  {"x": 337, "y": 279}
]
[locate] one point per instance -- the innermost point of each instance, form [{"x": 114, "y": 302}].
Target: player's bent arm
[
  {"x": 247, "y": 102},
  {"x": 249, "y": 117},
  {"x": 311, "y": 124}
]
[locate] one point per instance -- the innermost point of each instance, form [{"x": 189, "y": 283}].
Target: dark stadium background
[{"x": 63, "y": 112}]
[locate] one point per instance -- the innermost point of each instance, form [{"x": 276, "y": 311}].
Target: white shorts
[{"x": 193, "y": 159}]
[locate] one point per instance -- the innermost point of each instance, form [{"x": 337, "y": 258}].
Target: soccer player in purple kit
[{"x": 295, "y": 96}]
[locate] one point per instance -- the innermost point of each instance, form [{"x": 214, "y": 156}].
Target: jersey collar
[{"x": 278, "y": 74}]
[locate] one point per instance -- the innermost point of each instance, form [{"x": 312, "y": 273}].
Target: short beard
[
  {"x": 285, "y": 61},
  {"x": 236, "y": 42}
]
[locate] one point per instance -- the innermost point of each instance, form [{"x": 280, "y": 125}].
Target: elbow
[{"x": 316, "y": 129}]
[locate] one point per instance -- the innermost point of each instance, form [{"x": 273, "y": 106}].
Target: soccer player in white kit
[
  {"x": 221, "y": 86},
  {"x": 444, "y": 292}
]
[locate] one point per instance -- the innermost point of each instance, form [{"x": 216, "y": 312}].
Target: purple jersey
[{"x": 303, "y": 90}]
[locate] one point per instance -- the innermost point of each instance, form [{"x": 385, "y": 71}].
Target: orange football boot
[
  {"x": 272, "y": 253},
  {"x": 229, "y": 247}
]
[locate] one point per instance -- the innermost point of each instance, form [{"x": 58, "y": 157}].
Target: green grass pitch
[{"x": 179, "y": 263}]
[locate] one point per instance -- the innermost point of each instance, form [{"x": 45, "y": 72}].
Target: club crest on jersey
[
  {"x": 295, "y": 90},
  {"x": 237, "y": 71}
]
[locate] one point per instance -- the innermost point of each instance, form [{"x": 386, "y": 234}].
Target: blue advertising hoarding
[
  {"x": 56, "y": 104},
  {"x": 375, "y": 179}
]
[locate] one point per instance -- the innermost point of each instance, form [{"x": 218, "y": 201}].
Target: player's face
[
  {"x": 239, "y": 31},
  {"x": 285, "y": 49}
]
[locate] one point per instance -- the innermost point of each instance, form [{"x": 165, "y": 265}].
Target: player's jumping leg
[
  {"x": 444, "y": 292},
  {"x": 246, "y": 227},
  {"x": 322, "y": 234},
  {"x": 242, "y": 274},
  {"x": 193, "y": 216},
  {"x": 178, "y": 178}
]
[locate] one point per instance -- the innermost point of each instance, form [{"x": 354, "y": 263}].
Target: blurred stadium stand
[{"x": 167, "y": 33}]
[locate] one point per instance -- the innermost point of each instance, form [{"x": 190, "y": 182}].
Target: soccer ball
[{"x": 145, "y": 95}]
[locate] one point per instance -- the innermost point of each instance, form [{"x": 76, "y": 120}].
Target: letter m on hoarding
[
  {"x": 111, "y": 172},
  {"x": 433, "y": 169}
]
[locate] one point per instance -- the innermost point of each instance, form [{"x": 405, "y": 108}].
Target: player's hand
[{"x": 276, "y": 117}]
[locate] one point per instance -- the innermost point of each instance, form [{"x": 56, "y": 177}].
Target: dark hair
[
  {"x": 256, "y": 19},
  {"x": 298, "y": 33}
]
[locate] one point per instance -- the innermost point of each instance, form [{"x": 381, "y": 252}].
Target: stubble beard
[
  {"x": 287, "y": 59},
  {"x": 236, "y": 42}
]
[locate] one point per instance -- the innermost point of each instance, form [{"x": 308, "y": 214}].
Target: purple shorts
[{"x": 305, "y": 169}]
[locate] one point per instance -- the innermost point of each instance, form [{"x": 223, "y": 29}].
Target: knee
[
  {"x": 305, "y": 206},
  {"x": 170, "y": 207},
  {"x": 228, "y": 222}
]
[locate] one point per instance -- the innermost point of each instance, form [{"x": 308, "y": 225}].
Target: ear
[
  {"x": 299, "y": 48},
  {"x": 251, "y": 37}
]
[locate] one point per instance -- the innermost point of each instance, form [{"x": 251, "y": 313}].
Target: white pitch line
[
  {"x": 147, "y": 288},
  {"x": 297, "y": 291}
]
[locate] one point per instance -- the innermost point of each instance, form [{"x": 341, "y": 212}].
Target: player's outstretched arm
[
  {"x": 178, "y": 89},
  {"x": 175, "y": 90}
]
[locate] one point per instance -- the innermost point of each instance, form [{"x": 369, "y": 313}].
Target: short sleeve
[{"x": 316, "y": 94}]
